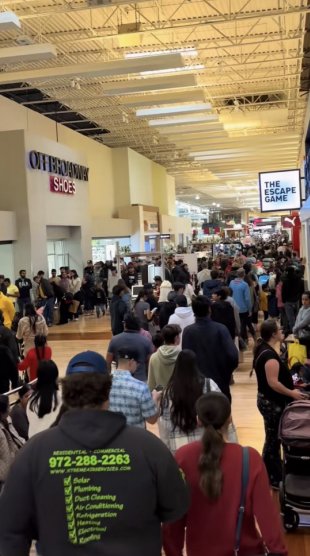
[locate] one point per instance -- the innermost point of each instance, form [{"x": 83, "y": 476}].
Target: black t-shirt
[{"x": 266, "y": 353}]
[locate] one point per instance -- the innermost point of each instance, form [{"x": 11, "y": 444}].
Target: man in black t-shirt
[{"x": 24, "y": 285}]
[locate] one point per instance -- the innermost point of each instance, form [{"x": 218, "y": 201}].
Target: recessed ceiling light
[
  {"x": 218, "y": 205},
  {"x": 197, "y": 197},
  {"x": 214, "y": 204}
]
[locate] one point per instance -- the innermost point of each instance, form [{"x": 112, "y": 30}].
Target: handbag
[
  {"x": 296, "y": 353},
  {"x": 245, "y": 480}
]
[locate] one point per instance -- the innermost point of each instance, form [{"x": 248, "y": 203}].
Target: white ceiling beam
[
  {"x": 148, "y": 84},
  {"x": 184, "y": 120},
  {"x": 174, "y": 110},
  {"x": 9, "y": 22},
  {"x": 262, "y": 149},
  {"x": 194, "y": 128},
  {"x": 163, "y": 98},
  {"x": 94, "y": 70},
  {"x": 30, "y": 53}
]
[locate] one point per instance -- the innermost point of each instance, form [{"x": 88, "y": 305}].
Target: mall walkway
[{"x": 93, "y": 333}]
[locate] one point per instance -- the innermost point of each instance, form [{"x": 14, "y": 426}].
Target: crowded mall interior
[{"x": 154, "y": 278}]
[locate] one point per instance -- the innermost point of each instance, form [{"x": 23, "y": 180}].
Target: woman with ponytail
[
  {"x": 40, "y": 352},
  {"x": 213, "y": 469},
  {"x": 275, "y": 391}
]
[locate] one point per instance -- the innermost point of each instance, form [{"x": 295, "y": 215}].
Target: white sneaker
[{"x": 76, "y": 320}]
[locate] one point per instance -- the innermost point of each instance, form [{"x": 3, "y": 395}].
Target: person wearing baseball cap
[
  {"x": 129, "y": 395},
  {"x": 92, "y": 484}
]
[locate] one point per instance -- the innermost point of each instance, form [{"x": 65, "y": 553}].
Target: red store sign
[{"x": 62, "y": 185}]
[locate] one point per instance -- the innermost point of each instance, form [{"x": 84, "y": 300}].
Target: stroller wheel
[{"x": 290, "y": 520}]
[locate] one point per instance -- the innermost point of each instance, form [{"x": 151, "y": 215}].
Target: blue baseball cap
[{"x": 87, "y": 361}]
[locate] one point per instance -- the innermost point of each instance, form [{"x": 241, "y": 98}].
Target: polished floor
[{"x": 92, "y": 333}]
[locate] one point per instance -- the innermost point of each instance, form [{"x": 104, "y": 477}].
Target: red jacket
[
  {"x": 31, "y": 361},
  {"x": 211, "y": 525}
]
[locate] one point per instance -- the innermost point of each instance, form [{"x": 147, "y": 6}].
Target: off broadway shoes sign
[{"x": 66, "y": 171}]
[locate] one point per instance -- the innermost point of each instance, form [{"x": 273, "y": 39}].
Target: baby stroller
[{"x": 294, "y": 434}]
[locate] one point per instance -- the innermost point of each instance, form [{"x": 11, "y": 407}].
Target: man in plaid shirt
[{"x": 129, "y": 395}]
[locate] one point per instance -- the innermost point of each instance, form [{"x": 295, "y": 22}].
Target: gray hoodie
[
  {"x": 162, "y": 365},
  {"x": 302, "y": 320}
]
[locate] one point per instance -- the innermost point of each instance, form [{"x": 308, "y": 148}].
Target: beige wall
[
  {"x": 13, "y": 188},
  {"x": 175, "y": 225},
  {"x": 140, "y": 177},
  {"x": 135, "y": 214},
  {"x": 99, "y": 158},
  {"x": 8, "y": 231}
]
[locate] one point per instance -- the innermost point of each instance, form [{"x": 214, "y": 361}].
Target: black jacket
[
  {"x": 118, "y": 310},
  {"x": 47, "y": 288},
  {"x": 291, "y": 288},
  {"x": 178, "y": 275},
  {"x": 166, "y": 309},
  {"x": 7, "y": 339},
  {"x": 8, "y": 370},
  {"x": 92, "y": 485},
  {"x": 216, "y": 352},
  {"x": 223, "y": 312},
  {"x": 20, "y": 420},
  {"x": 231, "y": 276}
]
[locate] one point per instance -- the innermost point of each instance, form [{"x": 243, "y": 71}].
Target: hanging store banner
[{"x": 280, "y": 191}]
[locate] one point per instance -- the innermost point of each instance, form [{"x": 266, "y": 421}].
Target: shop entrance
[
  {"x": 56, "y": 255},
  {"x": 104, "y": 249}
]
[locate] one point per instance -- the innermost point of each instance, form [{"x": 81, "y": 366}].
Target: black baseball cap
[{"x": 128, "y": 352}]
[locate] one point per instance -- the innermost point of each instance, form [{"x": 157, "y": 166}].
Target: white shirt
[{"x": 38, "y": 425}]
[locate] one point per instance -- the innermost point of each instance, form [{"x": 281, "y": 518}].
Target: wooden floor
[{"x": 91, "y": 333}]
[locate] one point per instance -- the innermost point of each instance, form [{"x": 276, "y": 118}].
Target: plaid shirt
[{"x": 132, "y": 398}]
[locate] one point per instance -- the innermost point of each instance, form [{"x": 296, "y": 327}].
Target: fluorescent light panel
[
  {"x": 95, "y": 69},
  {"x": 31, "y": 53},
  {"x": 9, "y": 22},
  {"x": 184, "y": 120},
  {"x": 190, "y": 51},
  {"x": 173, "y": 70},
  {"x": 174, "y": 110}
]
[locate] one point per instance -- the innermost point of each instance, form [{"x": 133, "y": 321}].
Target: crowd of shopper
[{"x": 170, "y": 361}]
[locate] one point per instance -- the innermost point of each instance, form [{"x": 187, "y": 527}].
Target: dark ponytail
[
  {"x": 213, "y": 410},
  {"x": 40, "y": 343},
  {"x": 141, "y": 294}
]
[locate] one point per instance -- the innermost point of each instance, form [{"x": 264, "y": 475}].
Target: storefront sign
[
  {"x": 54, "y": 165},
  {"x": 164, "y": 236},
  {"x": 280, "y": 190},
  {"x": 62, "y": 185},
  {"x": 290, "y": 221}
]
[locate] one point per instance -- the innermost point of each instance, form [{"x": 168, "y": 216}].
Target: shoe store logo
[{"x": 66, "y": 171}]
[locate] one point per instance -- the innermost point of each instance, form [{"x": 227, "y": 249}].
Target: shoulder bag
[{"x": 245, "y": 480}]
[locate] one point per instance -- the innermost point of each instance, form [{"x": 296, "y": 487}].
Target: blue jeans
[
  {"x": 48, "y": 311},
  {"x": 21, "y": 302}
]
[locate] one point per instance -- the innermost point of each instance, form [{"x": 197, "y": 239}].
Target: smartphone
[{"x": 159, "y": 388}]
